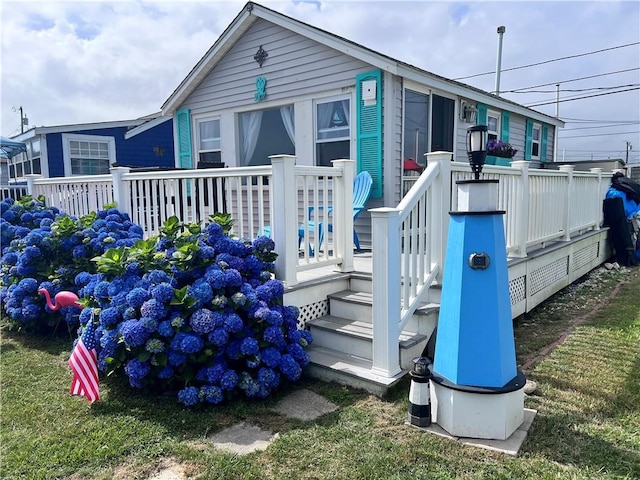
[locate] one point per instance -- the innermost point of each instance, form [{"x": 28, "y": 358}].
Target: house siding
[
  {"x": 517, "y": 133},
  {"x": 296, "y": 66},
  {"x": 135, "y": 152}
]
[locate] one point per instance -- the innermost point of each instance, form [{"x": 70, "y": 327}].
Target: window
[
  {"x": 88, "y": 154},
  {"x": 416, "y": 112},
  {"x": 442, "y": 122},
  {"x": 535, "y": 141},
  {"x": 493, "y": 125},
  {"x": 264, "y": 133},
  {"x": 209, "y": 146},
  {"x": 26, "y": 163},
  {"x": 333, "y": 131}
]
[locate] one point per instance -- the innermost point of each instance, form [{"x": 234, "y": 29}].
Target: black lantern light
[{"x": 477, "y": 148}]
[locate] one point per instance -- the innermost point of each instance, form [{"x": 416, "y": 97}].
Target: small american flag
[{"x": 84, "y": 365}]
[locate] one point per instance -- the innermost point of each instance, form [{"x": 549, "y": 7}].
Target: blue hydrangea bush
[
  {"x": 43, "y": 248},
  {"x": 195, "y": 312}
]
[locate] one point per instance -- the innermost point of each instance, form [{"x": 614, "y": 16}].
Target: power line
[
  {"x": 549, "y": 61},
  {"x": 581, "y": 98},
  {"x": 599, "y": 135},
  {"x": 571, "y": 80},
  {"x": 586, "y": 120},
  {"x": 579, "y": 89},
  {"x": 601, "y": 126}
]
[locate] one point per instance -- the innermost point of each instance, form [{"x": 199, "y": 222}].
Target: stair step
[
  {"x": 361, "y": 329},
  {"x": 353, "y": 296},
  {"x": 351, "y": 304},
  {"x": 334, "y": 366}
]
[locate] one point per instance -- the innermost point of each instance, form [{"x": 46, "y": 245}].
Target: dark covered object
[
  {"x": 614, "y": 217},
  {"x": 626, "y": 185}
]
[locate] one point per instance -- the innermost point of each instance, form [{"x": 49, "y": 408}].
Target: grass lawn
[{"x": 587, "y": 426}]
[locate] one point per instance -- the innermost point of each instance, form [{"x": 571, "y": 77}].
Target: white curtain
[
  {"x": 345, "y": 109},
  {"x": 250, "y": 124},
  {"x": 325, "y": 112},
  {"x": 288, "y": 120}
]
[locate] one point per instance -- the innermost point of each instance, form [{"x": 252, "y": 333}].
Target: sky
[{"x": 88, "y": 61}]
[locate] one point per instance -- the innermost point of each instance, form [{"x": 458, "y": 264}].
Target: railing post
[
  {"x": 568, "y": 194},
  {"x": 385, "y": 232},
  {"x": 31, "y": 178},
  {"x": 343, "y": 214},
  {"x": 121, "y": 190},
  {"x": 521, "y": 216},
  {"x": 284, "y": 224},
  {"x": 597, "y": 208},
  {"x": 440, "y": 209}
]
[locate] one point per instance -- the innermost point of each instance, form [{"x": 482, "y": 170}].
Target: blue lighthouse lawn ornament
[{"x": 477, "y": 390}]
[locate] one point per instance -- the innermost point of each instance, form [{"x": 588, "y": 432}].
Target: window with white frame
[
  {"x": 333, "y": 131},
  {"x": 493, "y": 125},
  {"x": 88, "y": 154},
  {"x": 536, "y": 135},
  {"x": 264, "y": 133},
  {"x": 26, "y": 163},
  {"x": 209, "y": 145}
]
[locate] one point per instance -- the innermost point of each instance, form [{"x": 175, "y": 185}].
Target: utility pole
[
  {"x": 628, "y": 149},
  {"x": 23, "y": 118},
  {"x": 501, "y": 30}
]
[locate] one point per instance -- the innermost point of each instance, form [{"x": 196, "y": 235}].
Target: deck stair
[{"x": 342, "y": 340}]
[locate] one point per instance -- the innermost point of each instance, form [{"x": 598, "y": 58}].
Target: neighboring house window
[
  {"x": 493, "y": 125},
  {"x": 264, "y": 133},
  {"x": 88, "y": 154},
  {"x": 535, "y": 141},
  {"x": 209, "y": 146},
  {"x": 26, "y": 163},
  {"x": 333, "y": 131}
]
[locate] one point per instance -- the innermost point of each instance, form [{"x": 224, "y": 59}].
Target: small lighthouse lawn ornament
[{"x": 476, "y": 389}]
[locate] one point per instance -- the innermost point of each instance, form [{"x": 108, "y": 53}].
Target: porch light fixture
[
  {"x": 468, "y": 112},
  {"x": 477, "y": 148}
]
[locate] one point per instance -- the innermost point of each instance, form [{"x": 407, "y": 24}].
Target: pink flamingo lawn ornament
[{"x": 62, "y": 299}]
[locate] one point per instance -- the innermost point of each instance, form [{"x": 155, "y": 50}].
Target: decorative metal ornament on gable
[{"x": 260, "y": 56}]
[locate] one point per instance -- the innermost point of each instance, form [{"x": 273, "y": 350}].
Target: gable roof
[{"x": 253, "y": 11}]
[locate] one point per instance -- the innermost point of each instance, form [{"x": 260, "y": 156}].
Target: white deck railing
[
  {"x": 541, "y": 206},
  {"x": 290, "y": 203}
]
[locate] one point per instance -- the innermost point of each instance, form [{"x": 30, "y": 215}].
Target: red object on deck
[{"x": 410, "y": 165}]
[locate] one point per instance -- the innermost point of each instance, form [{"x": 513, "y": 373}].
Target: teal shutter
[
  {"x": 369, "y": 132},
  {"x": 482, "y": 114},
  {"x": 504, "y": 128},
  {"x": 528, "y": 140},
  {"x": 183, "y": 133},
  {"x": 543, "y": 143}
]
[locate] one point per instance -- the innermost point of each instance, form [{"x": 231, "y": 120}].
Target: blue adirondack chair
[{"x": 361, "y": 191}]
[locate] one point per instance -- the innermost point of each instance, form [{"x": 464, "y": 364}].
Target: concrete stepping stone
[
  {"x": 242, "y": 439},
  {"x": 304, "y": 405}
]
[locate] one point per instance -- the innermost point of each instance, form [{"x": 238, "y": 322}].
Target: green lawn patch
[{"x": 587, "y": 426}]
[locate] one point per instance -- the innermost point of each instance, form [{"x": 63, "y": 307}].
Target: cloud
[{"x": 72, "y": 62}]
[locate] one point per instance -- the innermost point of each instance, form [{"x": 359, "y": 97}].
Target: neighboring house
[
  {"x": 608, "y": 165},
  {"x": 274, "y": 85},
  {"x": 92, "y": 148}
]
